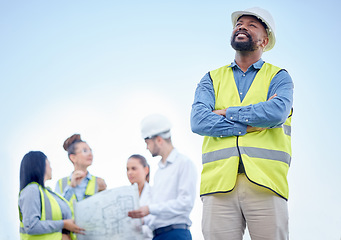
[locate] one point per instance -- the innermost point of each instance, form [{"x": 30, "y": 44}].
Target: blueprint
[{"x": 104, "y": 216}]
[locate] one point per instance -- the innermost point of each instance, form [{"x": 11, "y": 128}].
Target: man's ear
[
  {"x": 265, "y": 42},
  {"x": 158, "y": 139}
]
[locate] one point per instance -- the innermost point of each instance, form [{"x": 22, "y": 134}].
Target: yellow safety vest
[
  {"x": 90, "y": 190},
  {"x": 50, "y": 210},
  {"x": 266, "y": 154}
]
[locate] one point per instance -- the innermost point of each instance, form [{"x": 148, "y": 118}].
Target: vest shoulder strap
[
  {"x": 214, "y": 73},
  {"x": 92, "y": 187},
  {"x": 63, "y": 182}
]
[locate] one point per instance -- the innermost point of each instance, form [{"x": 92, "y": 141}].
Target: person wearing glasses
[{"x": 80, "y": 184}]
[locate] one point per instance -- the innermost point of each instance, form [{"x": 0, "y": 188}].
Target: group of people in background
[
  {"x": 165, "y": 210},
  {"x": 244, "y": 112},
  {"x": 45, "y": 214}
]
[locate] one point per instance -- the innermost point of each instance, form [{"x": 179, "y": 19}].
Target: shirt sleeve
[
  {"x": 30, "y": 206},
  {"x": 149, "y": 219},
  {"x": 184, "y": 202},
  {"x": 147, "y": 232},
  {"x": 271, "y": 113},
  {"x": 204, "y": 121}
]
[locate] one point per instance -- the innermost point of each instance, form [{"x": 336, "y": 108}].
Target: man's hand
[
  {"x": 77, "y": 177},
  {"x": 249, "y": 129},
  {"x": 254, "y": 129},
  {"x": 139, "y": 213},
  {"x": 273, "y": 96},
  {"x": 221, "y": 112},
  {"x": 101, "y": 184}
]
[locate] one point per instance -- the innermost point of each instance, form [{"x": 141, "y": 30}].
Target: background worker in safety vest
[
  {"x": 244, "y": 111},
  {"x": 43, "y": 213},
  {"x": 173, "y": 192},
  {"x": 81, "y": 184}
]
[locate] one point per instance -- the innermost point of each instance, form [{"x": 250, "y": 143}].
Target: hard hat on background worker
[
  {"x": 262, "y": 15},
  {"x": 155, "y": 125}
]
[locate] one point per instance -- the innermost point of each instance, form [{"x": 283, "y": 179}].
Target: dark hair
[
  {"x": 32, "y": 168},
  {"x": 143, "y": 162},
  {"x": 71, "y": 143}
]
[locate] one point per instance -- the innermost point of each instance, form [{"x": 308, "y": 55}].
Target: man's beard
[
  {"x": 248, "y": 46},
  {"x": 154, "y": 154},
  {"x": 156, "y": 151}
]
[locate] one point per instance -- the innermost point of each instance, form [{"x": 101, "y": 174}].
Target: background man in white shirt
[{"x": 173, "y": 193}]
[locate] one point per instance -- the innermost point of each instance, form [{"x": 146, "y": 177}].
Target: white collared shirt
[
  {"x": 146, "y": 194},
  {"x": 145, "y": 199},
  {"x": 174, "y": 191}
]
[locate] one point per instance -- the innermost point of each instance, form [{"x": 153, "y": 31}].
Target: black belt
[{"x": 161, "y": 230}]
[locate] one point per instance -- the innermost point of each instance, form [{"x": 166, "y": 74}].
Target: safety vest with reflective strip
[
  {"x": 50, "y": 210},
  {"x": 90, "y": 190},
  {"x": 266, "y": 154}
]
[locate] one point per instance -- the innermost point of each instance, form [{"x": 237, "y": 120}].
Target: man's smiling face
[{"x": 248, "y": 34}]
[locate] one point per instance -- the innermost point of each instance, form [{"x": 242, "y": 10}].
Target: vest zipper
[{"x": 241, "y": 164}]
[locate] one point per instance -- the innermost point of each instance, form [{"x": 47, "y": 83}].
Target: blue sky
[{"x": 98, "y": 67}]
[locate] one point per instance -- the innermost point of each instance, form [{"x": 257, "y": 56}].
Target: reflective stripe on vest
[
  {"x": 91, "y": 188},
  {"x": 249, "y": 151},
  {"x": 50, "y": 210},
  {"x": 266, "y": 155}
]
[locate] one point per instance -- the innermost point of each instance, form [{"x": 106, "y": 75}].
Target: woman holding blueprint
[
  {"x": 138, "y": 172},
  {"x": 43, "y": 213}
]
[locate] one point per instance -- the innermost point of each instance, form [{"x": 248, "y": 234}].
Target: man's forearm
[
  {"x": 207, "y": 123},
  {"x": 265, "y": 114}
]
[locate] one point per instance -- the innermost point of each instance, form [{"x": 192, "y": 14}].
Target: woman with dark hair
[
  {"x": 138, "y": 171},
  {"x": 80, "y": 184},
  {"x": 43, "y": 213}
]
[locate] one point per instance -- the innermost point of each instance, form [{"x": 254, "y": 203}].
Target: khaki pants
[{"x": 225, "y": 215}]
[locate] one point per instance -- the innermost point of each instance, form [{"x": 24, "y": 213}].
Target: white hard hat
[
  {"x": 155, "y": 125},
  {"x": 265, "y": 17}
]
